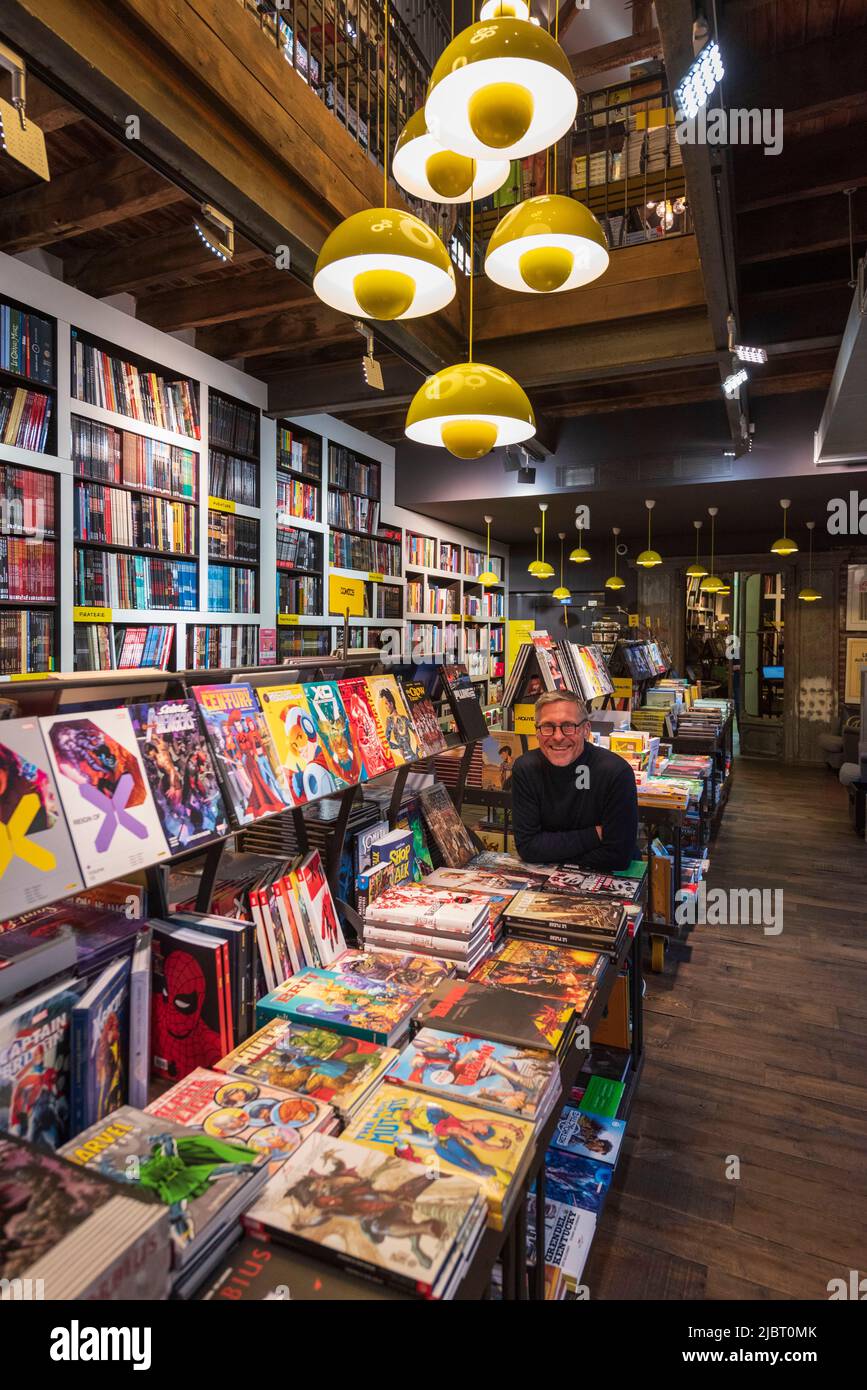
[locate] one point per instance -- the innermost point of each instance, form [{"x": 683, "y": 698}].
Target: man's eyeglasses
[{"x": 567, "y": 729}]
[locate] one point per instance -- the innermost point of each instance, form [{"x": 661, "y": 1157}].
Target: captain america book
[
  {"x": 105, "y": 793},
  {"x": 254, "y": 784},
  {"x": 35, "y": 1070},
  {"x": 180, "y": 770},
  {"x": 37, "y": 859}
]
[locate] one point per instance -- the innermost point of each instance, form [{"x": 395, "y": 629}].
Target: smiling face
[{"x": 561, "y": 732}]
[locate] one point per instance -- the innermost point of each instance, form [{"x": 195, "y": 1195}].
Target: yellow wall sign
[
  {"x": 31, "y": 676},
  {"x": 524, "y": 719},
  {"x": 375, "y": 578},
  {"x": 623, "y": 688},
  {"x": 220, "y": 504},
  {"x": 91, "y": 615},
  {"x": 633, "y": 620},
  {"x": 288, "y": 620},
  {"x": 346, "y": 594},
  {"x": 518, "y": 634}
]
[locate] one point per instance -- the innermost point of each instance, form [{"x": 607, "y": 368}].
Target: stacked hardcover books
[
  {"x": 557, "y": 918},
  {"x": 444, "y": 924}
]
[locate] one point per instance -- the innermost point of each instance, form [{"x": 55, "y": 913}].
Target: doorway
[{"x": 760, "y": 625}]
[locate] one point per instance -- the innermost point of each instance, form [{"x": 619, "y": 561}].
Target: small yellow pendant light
[
  {"x": 488, "y": 575},
  {"x": 579, "y": 555},
  {"x": 649, "y": 557},
  {"x": 503, "y": 87},
  {"x": 712, "y": 584},
  {"x": 785, "y": 545},
  {"x": 504, "y": 9},
  {"x": 534, "y": 565},
  {"x": 545, "y": 570},
  {"x": 384, "y": 263},
  {"x": 614, "y": 581},
  {"x": 697, "y": 569},
  {"x": 725, "y": 590},
  {"x": 561, "y": 593},
  {"x": 810, "y": 595},
  {"x": 470, "y": 408}
]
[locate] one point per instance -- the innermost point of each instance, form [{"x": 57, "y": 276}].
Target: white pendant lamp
[
  {"x": 384, "y": 263},
  {"x": 424, "y": 168},
  {"x": 502, "y": 87},
  {"x": 504, "y": 9}
]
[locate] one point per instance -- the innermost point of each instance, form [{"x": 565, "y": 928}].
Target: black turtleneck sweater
[{"x": 555, "y": 823}]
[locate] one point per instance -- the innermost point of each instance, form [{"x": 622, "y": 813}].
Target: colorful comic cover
[
  {"x": 363, "y": 844},
  {"x": 577, "y": 1182},
  {"x": 100, "y": 1046},
  {"x": 561, "y": 910},
  {"x": 179, "y": 767},
  {"x": 463, "y": 698},
  {"x": 591, "y": 1136},
  {"x": 35, "y": 1072},
  {"x": 194, "y": 1174},
  {"x": 317, "y": 996},
  {"x": 397, "y": 730},
  {"x": 252, "y": 779},
  {"x": 445, "y": 825},
  {"x": 382, "y": 972},
  {"x": 318, "y": 909},
  {"x": 552, "y": 976},
  {"x": 105, "y": 793},
  {"x": 508, "y": 1079},
  {"x": 398, "y": 848},
  {"x": 448, "y": 1137},
  {"x": 499, "y": 887},
  {"x": 499, "y": 752},
  {"x": 37, "y": 860},
  {"x": 424, "y": 717},
  {"x": 190, "y": 1020},
  {"x": 270, "y": 1120},
  {"x": 312, "y": 1061},
  {"x": 503, "y": 1015},
  {"x": 430, "y": 909},
  {"x": 298, "y": 746},
  {"x": 366, "y": 734},
  {"x": 370, "y": 1212},
  {"x": 335, "y": 733},
  {"x": 410, "y": 815}
]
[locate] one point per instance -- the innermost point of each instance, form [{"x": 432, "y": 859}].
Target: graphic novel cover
[
  {"x": 189, "y": 1026},
  {"x": 100, "y": 1046},
  {"x": 269, "y": 1119},
  {"x": 177, "y": 760},
  {"x": 300, "y": 750},
  {"x": 499, "y": 752},
  {"x": 503, "y": 1015},
  {"x": 534, "y": 905},
  {"x": 363, "y": 722},
  {"x": 508, "y": 1079},
  {"x": 320, "y": 997},
  {"x": 312, "y": 1061},
  {"x": 37, "y": 860},
  {"x": 383, "y": 972},
  {"x": 257, "y": 1270},
  {"x": 464, "y": 703},
  {"x": 449, "y": 1137},
  {"x": 424, "y": 717},
  {"x": 105, "y": 793},
  {"x": 398, "y": 848},
  {"x": 430, "y": 909},
  {"x": 552, "y": 972},
  {"x": 318, "y": 905},
  {"x": 397, "y": 731},
  {"x": 35, "y": 1071},
  {"x": 578, "y": 1182},
  {"x": 445, "y": 825},
  {"x": 591, "y": 1136},
  {"x": 335, "y": 733},
  {"x": 252, "y": 779},
  {"x": 410, "y": 815},
  {"x": 368, "y": 1210},
  {"x": 193, "y": 1174},
  {"x": 363, "y": 844}
]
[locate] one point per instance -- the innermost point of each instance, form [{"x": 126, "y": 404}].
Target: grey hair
[{"x": 559, "y": 697}]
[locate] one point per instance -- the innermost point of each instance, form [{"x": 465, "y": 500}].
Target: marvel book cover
[
  {"x": 177, "y": 760},
  {"x": 300, "y": 749},
  {"x": 366, "y": 734},
  {"x": 318, "y": 996},
  {"x": 247, "y": 765},
  {"x": 189, "y": 1019},
  {"x": 511, "y": 1080},
  {"x": 35, "y": 1072},
  {"x": 37, "y": 860},
  {"x": 335, "y": 732},
  {"x": 100, "y": 1046}
]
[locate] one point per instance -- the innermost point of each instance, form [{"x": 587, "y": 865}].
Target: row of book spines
[
  {"x": 114, "y": 383},
  {"x": 212, "y": 646},
  {"x": 295, "y": 498},
  {"x": 302, "y": 596},
  {"x": 172, "y": 478},
  {"x": 27, "y": 569},
  {"x": 356, "y": 513},
  {"x": 26, "y": 344},
  {"x": 231, "y": 425},
  {"x": 26, "y": 500},
  {"x": 355, "y": 552},
  {"x": 298, "y": 455},
  {"x": 234, "y": 479},
  {"x": 298, "y": 549},
  {"x": 231, "y": 589},
  {"x": 233, "y": 537},
  {"x": 25, "y": 419},
  {"x": 106, "y": 579},
  {"x": 102, "y": 647},
  {"x": 121, "y": 518},
  {"x": 311, "y": 642},
  {"x": 26, "y": 643},
  {"x": 346, "y": 471}
]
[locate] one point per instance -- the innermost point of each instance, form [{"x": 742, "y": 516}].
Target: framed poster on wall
[
  {"x": 856, "y": 599},
  {"x": 856, "y": 657}
]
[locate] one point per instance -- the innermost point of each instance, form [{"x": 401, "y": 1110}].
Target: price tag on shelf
[
  {"x": 375, "y": 578},
  {"x": 30, "y": 676},
  {"x": 623, "y": 688},
  {"x": 633, "y": 620},
  {"x": 288, "y": 619},
  {"x": 220, "y": 504},
  {"x": 91, "y": 615}
]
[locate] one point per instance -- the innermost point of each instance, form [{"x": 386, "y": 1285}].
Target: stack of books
[
  {"x": 569, "y": 1233},
  {"x": 476, "y": 1009},
  {"x": 563, "y": 920},
  {"x": 441, "y": 923}
]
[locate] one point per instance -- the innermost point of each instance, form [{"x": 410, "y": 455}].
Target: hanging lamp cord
[{"x": 385, "y": 122}]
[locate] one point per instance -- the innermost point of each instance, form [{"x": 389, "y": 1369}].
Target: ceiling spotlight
[
  {"x": 527, "y": 475},
  {"x": 369, "y": 365},
  {"x": 750, "y": 354},
  {"x": 692, "y": 92},
  {"x": 22, "y": 139},
  {"x": 217, "y": 231},
  {"x": 732, "y": 384}
]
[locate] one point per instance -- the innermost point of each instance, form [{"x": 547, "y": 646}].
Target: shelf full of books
[
  {"x": 233, "y": 450},
  {"x": 28, "y": 354},
  {"x": 28, "y": 570}
]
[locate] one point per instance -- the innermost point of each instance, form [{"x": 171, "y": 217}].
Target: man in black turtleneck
[{"x": 573, "y": 802}]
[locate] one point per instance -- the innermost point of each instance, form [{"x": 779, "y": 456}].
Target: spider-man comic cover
[{"x": 189, "y": 1023}]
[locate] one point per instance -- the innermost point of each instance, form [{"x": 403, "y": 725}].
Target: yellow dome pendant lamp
[
  {"x": 534, "y": 565},
  {"x": 712, "y": 583},
  {"x": 649, "y": 557},
  {"x": 785, "y": 545},
  {"x": 426, "y": 170},
  {"x": 488, "y": 575},
  {"x": 471, "y": 407},
  {"x": 810, "y": 595},
  {"x": 561, "y": 593},
  {"x": 503, "y": 87},
  {"x": 697, "y": 569},
  {"x": 384, "y": 263},
  {"x": 579, "y": 555},
  {"x": 614, "y": 581}
]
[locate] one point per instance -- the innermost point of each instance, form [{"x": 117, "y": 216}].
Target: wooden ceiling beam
[
  {"x": 47, "y": 109},
  {"x": 819, "y": 225},
  {"x": 339, "y": 387},
  {"x": 138, "y": 265},
  {"x": 309, "y": 325},
  {"x": 222, "y": 300},
  {"x": 821, "y": 76},
  {"x": 811, "y": 167},
  {"x": 83, "y": 200},
  {"x": 605, "y": 57}
]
